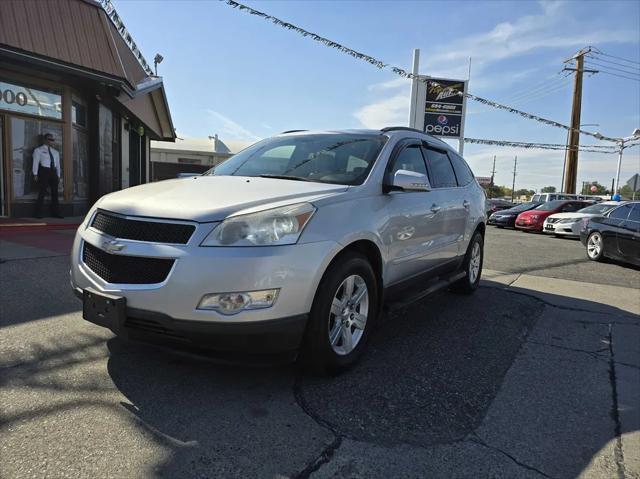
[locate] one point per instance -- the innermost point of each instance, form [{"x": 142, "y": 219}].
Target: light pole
[
  {"x": 634, "y": 136},
  {"x": 564, "y": 165}
]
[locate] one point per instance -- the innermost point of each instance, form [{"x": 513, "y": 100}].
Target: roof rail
[
  {"x": 404, "y": 128},
  {"x": 291, "y": 131}
]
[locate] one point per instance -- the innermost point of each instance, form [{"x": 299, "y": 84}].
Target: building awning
[{"x": 82, "y": 41}]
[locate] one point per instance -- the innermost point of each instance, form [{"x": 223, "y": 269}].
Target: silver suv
[{"x": 292, "y": 245}]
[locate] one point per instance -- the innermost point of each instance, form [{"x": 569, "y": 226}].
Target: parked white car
[{"x": 570, "y": 224}]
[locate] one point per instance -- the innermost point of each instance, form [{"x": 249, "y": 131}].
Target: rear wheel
[
  {"x": 342, "y": 315},
  {"x": 595, "y": 246},
  {"x": 472, "y": 265}
]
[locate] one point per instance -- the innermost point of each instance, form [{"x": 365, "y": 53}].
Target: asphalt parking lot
[
  {"x": 545, "y": 255},
  {"x": 536, "y": 375}
]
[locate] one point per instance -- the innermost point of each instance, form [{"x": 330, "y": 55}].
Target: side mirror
[{"x": 405, "y": 180}]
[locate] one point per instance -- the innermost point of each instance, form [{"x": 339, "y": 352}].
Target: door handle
[
  {"x": 435, "y": 208},
  {"x": 466, "y": 204}
]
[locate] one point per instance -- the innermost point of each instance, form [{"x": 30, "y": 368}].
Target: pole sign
[{"x": 445, "y": 107}]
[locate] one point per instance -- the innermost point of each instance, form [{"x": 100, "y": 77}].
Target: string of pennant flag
[
  {"x": 404, "y": 73},
  {"x": 548, "y": 146}
]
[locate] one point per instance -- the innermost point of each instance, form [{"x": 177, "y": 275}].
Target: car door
[
  {"x": 612, "y": 223},
  {"x": 465, "y": 179},
  {"x": 451, "y": 201},
  {"x": 414, "y": 219},
  {"x": 628, "y": 235}
]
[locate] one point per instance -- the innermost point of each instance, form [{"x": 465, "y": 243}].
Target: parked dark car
[
  {"x": 494, "y": 205},
  {"x": 615, "y": 235},
  {"x": 508, "y": 217}
]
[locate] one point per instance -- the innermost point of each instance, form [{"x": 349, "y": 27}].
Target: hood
[
  {"x": 213, "y": 198},
  {"x": 575, "y": 214},
  {"x": 528, "y": 213},
  {"x": 510, "y": 210}
]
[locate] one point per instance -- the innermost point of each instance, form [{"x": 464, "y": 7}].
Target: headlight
[{"x": 277, "y": 226}]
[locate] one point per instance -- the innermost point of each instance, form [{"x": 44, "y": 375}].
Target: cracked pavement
[{"x": 533, "y": 376}]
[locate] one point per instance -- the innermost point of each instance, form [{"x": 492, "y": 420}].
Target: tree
[
  {"x": 525, "y": 192},
  {"x": 586, "y": 189},
  {"x": 548, "y": 189}
]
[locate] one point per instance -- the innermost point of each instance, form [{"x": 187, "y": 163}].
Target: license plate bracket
[{"x": 103, "y": 309}]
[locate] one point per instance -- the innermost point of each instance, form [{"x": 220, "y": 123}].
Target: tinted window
[
  {"x": 440, "y": 170},
  {"x": 620, "y": 213},
  {"x": 326, "y": 158},
  {"x": 410, "y": 159},
  {"x": 635, "y": 213},
  {"x": 463, "y": 172}
]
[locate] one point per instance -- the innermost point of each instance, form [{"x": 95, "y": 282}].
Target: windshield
[
  {"x": 536, "y": 198},
  {"x": 324, "y": 158},
  {"x": 597, "y": 209},
  {"x": 550, "y": 205},
  {"x": 525, "y": 206}
]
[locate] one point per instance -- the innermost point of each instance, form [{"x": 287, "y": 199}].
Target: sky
[{"x": 244, "y": 78}]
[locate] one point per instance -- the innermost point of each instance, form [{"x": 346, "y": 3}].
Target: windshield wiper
[{"x": 285, "y": 177}]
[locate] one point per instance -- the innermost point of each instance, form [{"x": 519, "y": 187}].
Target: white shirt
[{"x": 41, "y": 158}]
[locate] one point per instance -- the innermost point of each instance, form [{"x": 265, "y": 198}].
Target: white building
[{"x": 190, "y": 155}]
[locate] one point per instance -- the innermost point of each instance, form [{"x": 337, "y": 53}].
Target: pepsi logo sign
[{"x": 442, "y": 120}]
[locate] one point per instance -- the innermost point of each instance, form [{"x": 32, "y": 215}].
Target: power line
[
  {"x": 540, "y": 86},
  {"x": 613, "y": 63},
  {"x": 591, "y": 62},
  {"x": 402, "y": 72},
  {"x": 621, "y": 76},
  {"x": 600, "y": 52},
  {"x": 543, "y": 94}
]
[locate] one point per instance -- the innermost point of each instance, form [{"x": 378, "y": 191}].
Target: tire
[
  {"x": 472, "y": 266},
  {"x": 595, "y": 246},
  {"x": 333, "y": 316}
]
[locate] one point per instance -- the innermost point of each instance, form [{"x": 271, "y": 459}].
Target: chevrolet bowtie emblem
[{"x": 112, "y": 246}]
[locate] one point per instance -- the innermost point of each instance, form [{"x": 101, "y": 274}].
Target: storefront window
[
  {"x": 30, "y": 101},
  {"x": 105, "y": 119},
  {"x": 26, "y": 135}
]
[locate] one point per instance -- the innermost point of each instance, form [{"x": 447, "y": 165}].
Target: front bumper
[
  {"x": 528, "y": 226},
  {"x": 256, "y": 338},
  {"x": 563, "y": 229},
  {"x": 502, "y": 221},
  {"x": 169, "y": 307}
]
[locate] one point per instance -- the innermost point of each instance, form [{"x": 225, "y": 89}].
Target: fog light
[{"x": 232, "y": 303}]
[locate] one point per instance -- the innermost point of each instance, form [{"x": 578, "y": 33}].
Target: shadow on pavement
[{"x": 430, "y": 377}]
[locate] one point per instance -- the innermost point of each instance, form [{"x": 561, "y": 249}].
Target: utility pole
[
  {"x": 513, "y": 186},
  {"x": 493, "y": 173},
  {"x": 571, "y": 156}
]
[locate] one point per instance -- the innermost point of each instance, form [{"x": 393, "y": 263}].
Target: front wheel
[
  {"x": 472, "y": 265},
  {"x": 342, "y": 316},
  {"x": 595, "y": 246}
]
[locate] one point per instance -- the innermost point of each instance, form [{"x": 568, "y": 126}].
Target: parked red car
[{"x": 532, "y": 220}]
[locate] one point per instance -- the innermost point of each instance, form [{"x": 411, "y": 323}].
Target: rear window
[
  {"x": 461, "y": 168},
  {"x": 441, "y": 173}
]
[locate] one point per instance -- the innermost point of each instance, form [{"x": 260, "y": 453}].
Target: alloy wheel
[
  {"x": 594, "y": 245},
  {"x": 348, "y": 315},
  {"x": 474, "y": 263}
]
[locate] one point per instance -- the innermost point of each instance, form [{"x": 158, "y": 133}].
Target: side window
[
  {"x": 635, "y": 213},
  {"x": 410, "y": 159},
  {"x": 462, "y": 170},
  {"x": 440, "y": 170},
  {"x": 620, "y": 213}
]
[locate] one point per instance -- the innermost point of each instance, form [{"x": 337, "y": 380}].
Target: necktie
[{"x": 53, "y": 163}]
